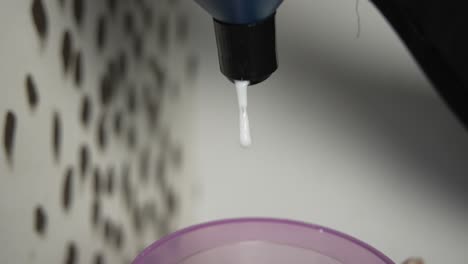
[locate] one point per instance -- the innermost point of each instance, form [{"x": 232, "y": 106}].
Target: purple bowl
[{"x": 259, "y": 241}]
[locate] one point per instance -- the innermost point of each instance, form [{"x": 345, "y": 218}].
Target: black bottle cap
[{"x": 247, "y": 51}]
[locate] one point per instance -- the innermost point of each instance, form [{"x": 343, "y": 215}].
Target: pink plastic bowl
[{"x": 259, "y": 241}]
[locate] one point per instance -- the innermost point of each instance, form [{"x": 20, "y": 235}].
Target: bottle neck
[{"x": 247, "y": 52}]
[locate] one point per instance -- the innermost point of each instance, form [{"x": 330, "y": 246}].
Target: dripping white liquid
[{"x": 241, "y": 87}]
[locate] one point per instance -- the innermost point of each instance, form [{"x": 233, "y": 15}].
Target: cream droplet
[{"x": 241, "y": 87}]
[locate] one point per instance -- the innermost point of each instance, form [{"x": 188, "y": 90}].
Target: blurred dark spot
[
  {"x": 102, "y": 133},
  {"x": 67, "y": 189},
  {"x": 131, "y": 99},
  {"x": 9, "y": 131},
  {"x": 160, "y": 173},
  {"x": 99, "y": 258},
  {"x": 112, "y": 5},
  {"x": 122, "y": 61},
  {"x": 101, "y": 32},
  {"x": 158, "y": 73},
  {"x": 86, "y": 110},
  {"x": 112, "y": 69},
  {"x": 126, "y": 185},
  {"x": 96, "y": 182},
  {"x": 163, "y": 30},
  {"x": 78, "y": 69},
  {"x": 31, "y": 92},
  {"x": 132, "y": 137},
  {"x": 106, "y": 89},
  {"x": 147, "y": 95},
  {"x": 152, "y": 110},
  {"x": 182, "y": 28},
  {"x": 67, "y": 50},
  {"x": 107, "y": 230},
  {"x": 149, "y": 212},
  {"x": 171, "y": 201},
  {"x": 137, "y": 223},
  {"x": 78, "y": 11},
  {"x": 144, "y": 164},
  {"x": 137, "y": 46},
  {"x": 40, "y": 220},
  {"x": 113, "y": 73},
  {"x": 110, "y": 180},
  {"x": 139, "y": 3},
  {"x": 56, "y": 135},
  {"x": 39, "y": 18},
  {"x": 71, "y": 254},
  {"x": 84, "y": 160},
  {"x": 119, "y": 238},
  {"x": 95, "y": 212},
  {"x": 147, "y": 17},
  {"x": 128, "y": 23},
  {"x": 118, "y": 122}
]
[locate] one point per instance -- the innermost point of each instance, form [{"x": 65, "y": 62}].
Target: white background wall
[
  {"x": 348, "y": 133},
  {"x": 72, "y": 198}
]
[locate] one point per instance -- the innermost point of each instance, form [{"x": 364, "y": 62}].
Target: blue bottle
[
  {"x": 240, "y": 11},
  {"x": 245, "y": 36},
  {"x": 433, "y": 30}
]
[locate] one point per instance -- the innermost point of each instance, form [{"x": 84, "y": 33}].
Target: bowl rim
[{"x": 209, "y": 224}]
